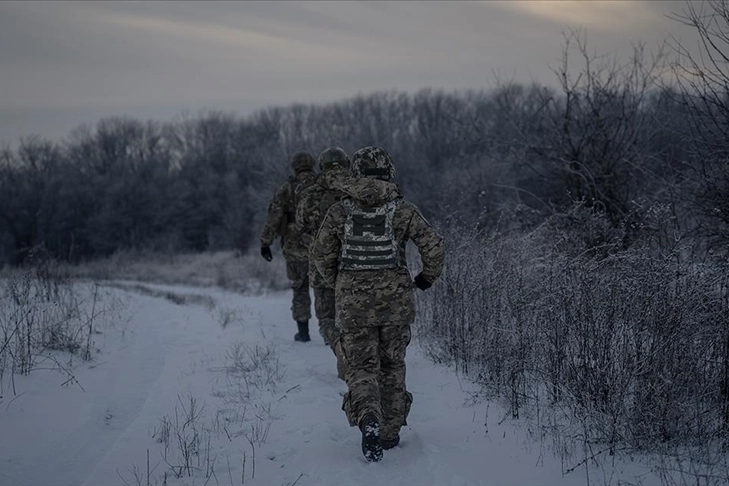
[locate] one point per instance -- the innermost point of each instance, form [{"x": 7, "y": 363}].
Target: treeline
[{"x": 610, "y": 138}]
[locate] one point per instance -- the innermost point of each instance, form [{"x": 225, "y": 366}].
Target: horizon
[{"x": 75, "y": 63}]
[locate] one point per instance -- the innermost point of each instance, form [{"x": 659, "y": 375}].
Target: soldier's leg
[
  {"x": 395, "y": 398},
  {"x": 325, "y": 313},
  {"x": 298, "y": 272},
  {"x": 341, "y": 362},
  {"x": 360, "y": 353}
]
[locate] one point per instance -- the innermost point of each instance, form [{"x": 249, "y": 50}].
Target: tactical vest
[{"x": 369, "y": 238}]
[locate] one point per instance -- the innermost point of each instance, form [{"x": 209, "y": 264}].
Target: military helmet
[
  {"x": 372, "y": 162},
  {"x": 333, "y": 157},
  {"x": 302, "y": 161}
]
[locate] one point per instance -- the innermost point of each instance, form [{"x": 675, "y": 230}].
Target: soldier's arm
[
  {"x": 430, "y": 244},
  {"x": 275, "y": 217},
  {"x": 327, "y": 244}
]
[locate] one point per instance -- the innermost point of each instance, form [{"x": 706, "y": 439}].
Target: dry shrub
[{"x": 617, "y": 348}]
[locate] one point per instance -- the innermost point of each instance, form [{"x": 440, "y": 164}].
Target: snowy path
[{"x": 166, "y": 353}]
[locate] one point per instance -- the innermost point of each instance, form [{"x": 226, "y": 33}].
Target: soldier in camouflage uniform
[
  {"x": 281, "y": 221},
  {"x": 314, "y": 202},
  {"x": 360, "y": 251}
]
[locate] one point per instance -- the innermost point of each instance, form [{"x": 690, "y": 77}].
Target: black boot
[
  {"x": 303, "y": 334},
  {"x": 388, "y": 444},
  {"x": 371, "y": 447}
]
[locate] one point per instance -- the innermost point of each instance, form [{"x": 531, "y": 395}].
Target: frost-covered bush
[
  {"x": 615, "y": 346},
  {"x": 42, "y": 314}
]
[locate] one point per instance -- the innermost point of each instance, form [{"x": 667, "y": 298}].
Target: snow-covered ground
[{"x": 218, "y": 374}]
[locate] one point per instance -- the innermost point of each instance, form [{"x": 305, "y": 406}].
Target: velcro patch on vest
[
  {"x": 368, "y": 224},
  {"x": 377, "y": 171},
  {"x": 369, "y": 238}
]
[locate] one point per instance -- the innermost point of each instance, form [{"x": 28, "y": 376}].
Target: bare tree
[
  {"x": 702, "y": 77},
  {"x": 593, "y": 146}
]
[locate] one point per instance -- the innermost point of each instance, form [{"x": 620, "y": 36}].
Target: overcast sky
[{"x": 67, "y": 63}]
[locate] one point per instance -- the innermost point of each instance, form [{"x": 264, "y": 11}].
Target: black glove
[
  {"x": 266, "y": 253},
  {"x": 421, "y": 282}
]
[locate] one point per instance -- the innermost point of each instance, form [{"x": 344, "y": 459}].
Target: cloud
[
  {"x": 270, "y": 41},
  {"x": 613, "y": 15},
  {"x": 221, "y": 35},
  {"x": 156, "y": 58}
]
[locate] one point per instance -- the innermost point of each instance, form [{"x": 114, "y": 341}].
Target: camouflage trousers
[
  {"x": 325, "y": 314},
  {"x": 298, "y": 272},
  {"x": 375, "y": 359}
]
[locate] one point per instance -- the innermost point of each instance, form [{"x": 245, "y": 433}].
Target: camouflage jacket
[
  {"x": 281, "y": 219},
  {"x": 313, "y": 204},
  {"x": 375, "y": 297}
]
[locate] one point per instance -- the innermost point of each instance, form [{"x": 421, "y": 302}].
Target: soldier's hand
[
  {"x": 266, "y": 253},
  {"x": 421, "y": 282}
]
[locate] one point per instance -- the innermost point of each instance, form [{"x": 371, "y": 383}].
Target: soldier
[
  {"x": 281, "y": 222},
  {"x": 360, "y": 251},
  {"x": 314, "y": 202}
]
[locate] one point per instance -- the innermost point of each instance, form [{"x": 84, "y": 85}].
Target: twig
[
  {"x": 243, "y": 472},
  {"x": 592, "y": 457},
  {"x": 230, "y": 473},
  {"x": 12, "y": 400},
  {"x": 287, "y": 391},
  {"x": 122, "y": 478},
  {"x": 253, "y": 447}
]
